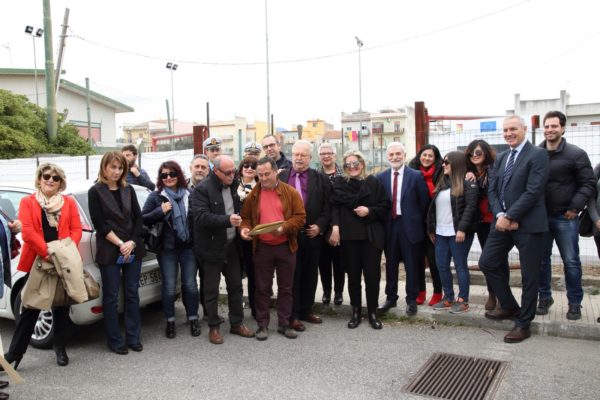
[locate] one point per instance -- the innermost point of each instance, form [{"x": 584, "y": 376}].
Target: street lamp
[
  {"x": 172, "y": 67},
  {"x": 35, "y": 33},
  {"x": 360, "y": 44}
]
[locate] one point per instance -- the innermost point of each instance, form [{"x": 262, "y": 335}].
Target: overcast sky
[{"x": 459, "y": 57}]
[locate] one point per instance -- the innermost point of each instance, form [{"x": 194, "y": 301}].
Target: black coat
[
  {"x": 571, "y": 180},
  {"x": 317, "y": 204},
  {"x": 210, "y": 220},
  {"x": 465, "y": 210}
]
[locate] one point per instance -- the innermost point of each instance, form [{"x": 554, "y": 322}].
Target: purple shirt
[{"x": 303, "y": 182}]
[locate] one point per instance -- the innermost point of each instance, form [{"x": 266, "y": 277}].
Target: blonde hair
[
  {"x": 361, "y": 159},
  {"x": 50, "y": 167},
  {"x": 108, "y": 158}
]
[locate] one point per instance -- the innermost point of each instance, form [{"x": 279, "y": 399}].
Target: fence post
[{"x": 87, "y": 166}]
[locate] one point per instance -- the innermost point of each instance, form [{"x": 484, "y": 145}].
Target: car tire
[{"x": 43, "y": 333}]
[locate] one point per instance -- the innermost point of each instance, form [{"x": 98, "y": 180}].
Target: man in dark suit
[
  {"x": 405, "y": 230},
  {"x": 314, "y": 188},
  {"x": 516, "y": 194}
]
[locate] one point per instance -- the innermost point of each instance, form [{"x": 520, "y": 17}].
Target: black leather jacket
[{"x": 465, "y": 211}]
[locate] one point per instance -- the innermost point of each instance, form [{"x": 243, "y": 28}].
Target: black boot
[
  {"x": 374, "y": 321},
  {"x": 10, "y": 358},
  {"x": 195, "y": 327},
  {"x": 170, "y": 330},
  {"x": 356, "y": 318},
  {"x": 61, "y": 355}
]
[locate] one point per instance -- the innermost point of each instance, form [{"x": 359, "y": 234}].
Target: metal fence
[
  {"x": 586, "y": 137},
  {"x": 80, "y": 167}
]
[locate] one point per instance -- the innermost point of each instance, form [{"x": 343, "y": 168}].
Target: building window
[
  {"x": 377, "y": 127},
  {"x": 397, "y": 127}
]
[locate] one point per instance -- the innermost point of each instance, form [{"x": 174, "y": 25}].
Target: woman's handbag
[
  {"x": 585, "y": 224},
  {"x": 91, "y": 286},
  {"x": 153, "y": 237}
]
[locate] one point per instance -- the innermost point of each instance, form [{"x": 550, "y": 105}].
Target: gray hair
[
  {"x": 306, "y": 143},
  {"x": 197, "y": 156},
  {"x": 328, "y": 146},
  {"x": 517, "y": 117},
  {"x": 395, "y": 144}
]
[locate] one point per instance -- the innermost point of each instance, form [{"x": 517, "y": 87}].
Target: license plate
[{"x": 150, "y": 278}]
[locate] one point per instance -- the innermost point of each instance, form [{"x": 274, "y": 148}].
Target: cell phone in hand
[{"x": 121, "y": 259}]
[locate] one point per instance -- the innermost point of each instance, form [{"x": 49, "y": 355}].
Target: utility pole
[
  {"x": 51, "y": 123},
  {"x": 89, "y": 112},
  {"x": 61, "y": 48}
]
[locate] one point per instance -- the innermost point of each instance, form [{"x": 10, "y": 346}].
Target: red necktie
[{"x": 395, "y": 195}]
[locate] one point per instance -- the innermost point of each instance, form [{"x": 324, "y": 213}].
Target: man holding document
[{"x": 274, "y": 245}]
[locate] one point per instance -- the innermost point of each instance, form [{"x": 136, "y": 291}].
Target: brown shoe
[
  {"x": 312, "y": 318},
  {"x": 242, "y": 330},
  {"x": 214, "y": 335},
  {"x": 500, "y": 314},
  {"x": 517, "y": 335},
  {"x": 296, "y": 325},
  {"x": 491, "y": 302}
]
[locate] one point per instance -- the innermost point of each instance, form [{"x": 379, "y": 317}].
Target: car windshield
[{"x": 82, "y": 198}]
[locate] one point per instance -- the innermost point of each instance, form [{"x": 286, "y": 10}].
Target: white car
[{"x": 88, "y": 312}]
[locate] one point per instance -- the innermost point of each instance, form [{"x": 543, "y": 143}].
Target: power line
[{"x": 298, "y": 60}]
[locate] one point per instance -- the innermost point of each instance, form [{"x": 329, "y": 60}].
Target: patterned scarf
[
  {"x": 179, "y": 213},
  {"x": 51, "y": 206}
]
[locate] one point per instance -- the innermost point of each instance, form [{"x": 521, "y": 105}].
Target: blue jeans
[
  {"x": 111, "y": 283},
  {"x": 445, "y": 248},
  {"x": 168, "y": 260},
  {"x": 566, "y": 234}
]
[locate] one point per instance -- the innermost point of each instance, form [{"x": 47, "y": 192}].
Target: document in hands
[{"x": 265, "y": 228}]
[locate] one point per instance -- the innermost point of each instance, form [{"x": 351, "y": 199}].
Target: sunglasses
[
  {"x": 55, "y": 178},
  {"x": 476, "y": 153},
  {"x": 446, "y": 162},
  {"x": 353, "y": 164},
  {"x": 326, "y": 154},
  {"x": 246, "y": 166},
  {"x": 227, "y": 173},
  {"x": 166, "y": 175}
]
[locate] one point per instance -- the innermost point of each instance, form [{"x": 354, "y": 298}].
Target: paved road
[{"x": 327, "y": 361}]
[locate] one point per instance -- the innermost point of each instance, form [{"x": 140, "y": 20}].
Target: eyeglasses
[
  {"x": 352, "y": 164},
  {"x": 55, "y": 178},
  {"x": 446, "y": 162},
  {"x": 166, "y": 175},
  {"x": 476, "y": 153},
  {"x": 269, "y": 146},
  {"x": 226, "y": 173},
  {"x": 329, "y": 153},
  {"x": 251, "y": 166}
]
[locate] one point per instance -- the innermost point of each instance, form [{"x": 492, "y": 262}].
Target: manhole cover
[{"x": 455, "y": 377}]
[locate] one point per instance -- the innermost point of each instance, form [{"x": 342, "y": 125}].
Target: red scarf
[{"x": 428, "y": 175}]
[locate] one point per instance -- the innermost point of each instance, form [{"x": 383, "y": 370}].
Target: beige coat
[{"x": 65, "y": 273}]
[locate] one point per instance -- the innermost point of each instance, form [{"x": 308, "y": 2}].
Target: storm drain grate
[{"x": 455, "y": 377}]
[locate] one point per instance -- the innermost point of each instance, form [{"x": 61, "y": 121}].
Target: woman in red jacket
[{"x": 46, "y": 216}]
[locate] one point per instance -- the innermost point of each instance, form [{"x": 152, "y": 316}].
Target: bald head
[{"x": 224, "y": 169}]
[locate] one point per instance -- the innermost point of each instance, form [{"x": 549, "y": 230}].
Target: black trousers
[
  {"x": 331, "y": 257},
  {"x": 201, "y": 284},
  {"x": 435, "y": 275},
  {"x": 26, "y": 324},
  {"x": 249, "y": 268},
  {"x": 361, "y": 257},
  {"x": 306, "y": 274},
  {"x": 483, "y": 231},
  {"x": 233, "y": 278},
  {"x": 493, "y": 264}
]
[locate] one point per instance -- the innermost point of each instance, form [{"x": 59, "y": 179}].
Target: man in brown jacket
[{"x": 271, "y": 201}]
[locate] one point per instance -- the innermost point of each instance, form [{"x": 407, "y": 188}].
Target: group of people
[{"x": 272, "y": 215}]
